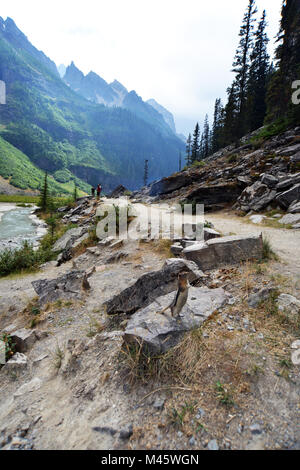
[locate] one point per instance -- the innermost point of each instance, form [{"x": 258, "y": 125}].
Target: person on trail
[
  {"x": 93, "y": 191},
  {"x": 99, "y": 189}
]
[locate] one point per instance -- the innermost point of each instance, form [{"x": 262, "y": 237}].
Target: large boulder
[
  {"x": 24, "y": 339},
  {"x": 69, "y": 286},
  {"x": 69, "y": 237},
  {"x": 215, "y": 196},
  {"x": 286, "y": 198},
  {"x": 290, "y": 219},
  {"x": 118, "y": 191},
  {"x": 152, "y": 285},
  {"x": 157, "y": 333},
  {"x": 256, "y": 197},
  {"x": 226, "y": 250}
]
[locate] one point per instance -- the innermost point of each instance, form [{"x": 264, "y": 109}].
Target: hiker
[
  {"x": 93, "y": 192},
  {"x": 99, "y": 189}
]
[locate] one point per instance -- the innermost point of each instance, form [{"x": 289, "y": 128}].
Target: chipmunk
[{"x": 181, "y": 296}]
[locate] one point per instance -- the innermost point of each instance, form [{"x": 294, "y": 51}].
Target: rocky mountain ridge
[{"x": 253, "y": 177}]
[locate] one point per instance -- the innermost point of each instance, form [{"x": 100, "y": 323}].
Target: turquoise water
[{"x": 16, "y": 226}]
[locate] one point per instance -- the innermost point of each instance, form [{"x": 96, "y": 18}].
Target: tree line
[{"x": 260, "y": 93}]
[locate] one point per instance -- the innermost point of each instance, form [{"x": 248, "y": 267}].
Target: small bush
[
  {"x": 268, "y": 253},
  {"x": 9, "y": 346},
  {"x": 22, "y": 259}
]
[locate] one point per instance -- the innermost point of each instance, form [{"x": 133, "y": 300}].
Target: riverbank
[{"x": 18, "y": 224}]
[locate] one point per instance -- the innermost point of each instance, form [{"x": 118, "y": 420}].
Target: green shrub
[
  {"x": 10, "y": 347},
  {"x": 23, "y": 259}
]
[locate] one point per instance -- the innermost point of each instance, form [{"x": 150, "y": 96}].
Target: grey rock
[
  {"x": 289, "y": 305},
  {"x": 192, "y": 441},
  {"x": 213, "y": 445},
  {"x": 159, "y": 403},
  {"x": 152, "y": 285},
  {"x": 290, "y": 219},
  {"x": 69, "y": 236},
  {"x": 158, "y": 333},
  {"x": 225, "y": 250},
  {"x": 257, "y": 219},
  {"x": 289, "y": 151},
  {"x": 294, "y": 208},
  {"x": 270, "y": 180},
  {"x": 126, "y": 432},
  {"x": 176, "y": 250},
  {"x": 255, "y": 299},
  {"x": 255, "y": 429},
  {"x": 295, "y": 158},
  {"x": 24, "y": 339},
  {"x": 285, "y": 199},
  {"x": 68, "y": 286},
  {"x": 18, "y": 361}
]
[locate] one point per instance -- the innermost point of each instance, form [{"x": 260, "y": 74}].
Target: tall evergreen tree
[
  {"x": 146, "y": 172},
  {"x": 195, "y": 144},
  {"x": 230, "y": 131},
  {"x": 241, "y": 63},
  {"x": 188, "y": 156},
  {"x": 205, "y": 139},
  {"x": 216, "y": 140},
  {"x": 258, "y": 78},
  {"x": 279, "y": 101},
  {"x": 179, "y": 161},
  {"x": 44, "y": 201}
]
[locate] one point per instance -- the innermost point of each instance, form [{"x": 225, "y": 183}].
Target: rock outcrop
[
  {"x": 158, "y": 333},
  {"x": 152, "y": 285},
  {"x": 225, "y": 251},
  {"x": 68, "y": 286}
]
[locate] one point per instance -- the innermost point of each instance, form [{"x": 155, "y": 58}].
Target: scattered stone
[
  {"x": 176, "y": 249},
  {"x": 296, "y": 344},
  {"x": 289, "y": 305},
  {"x": 290, "y": 219},
  {"x": 118, "y": 191},
  {"x": 200, "y": 413},
  {"x": 105, "y": 430},
  {"x": 18, "y": 361},
  {"x": 255, "y": 299},
  {"x": 255, "y": 429},
  {"x": 192, "y": 441},
  {"x": 151, "y": 286},
  {"x": 227, "y": 250},
  {"x": 158, "y": 333},
  {"x": 213, "y": 445},
  {"x": 126, "y": 432},
  {"x": 159, "y": 403},
  {"x": 294, "y": 208},
  {"x": 257, "y": 219},
  {"x": 24, "y": 339},
  {"x": 285, "y": 199}
]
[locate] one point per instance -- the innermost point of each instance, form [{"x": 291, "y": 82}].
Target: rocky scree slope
[{"x": 253, "y": 177}]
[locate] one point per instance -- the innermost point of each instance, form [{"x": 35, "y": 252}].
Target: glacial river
[{"x": 18, "y": 224}]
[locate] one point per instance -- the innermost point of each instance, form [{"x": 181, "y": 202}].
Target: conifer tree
[
  {"x": 206, "y": 138},
  {"x": 146, "y": 172},
  {"x": 179, "y": 161},
  {"x": 259, "y": 73},
  {"x": 216, "y": 139},
  {"x": 279, "y": 94},
  {"x": 241, "y": 64},
  {"x": 45, "y": 197},
  {"x": 195, "y": 144},
  {"x": 189, "y": 150}
]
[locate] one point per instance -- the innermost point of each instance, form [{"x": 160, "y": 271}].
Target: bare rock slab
[
  {"x": 226, "y": 250},
  {"x": 68, "y": 286},
  {"x": 152, "y": 285},
  {"x": 158, "y": 333}
]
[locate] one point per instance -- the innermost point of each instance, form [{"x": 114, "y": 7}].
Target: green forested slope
[{"x": 62, "y": 132}]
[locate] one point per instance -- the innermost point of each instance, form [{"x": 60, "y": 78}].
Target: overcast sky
[{"x": 178, "y": 52}]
